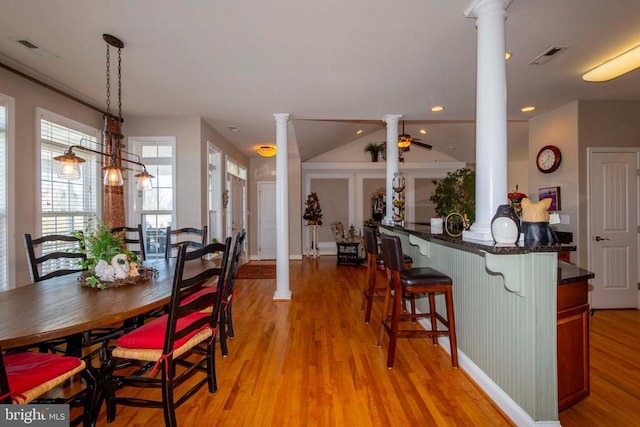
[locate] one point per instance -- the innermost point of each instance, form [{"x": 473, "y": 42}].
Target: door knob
[{"x": 598, "y": 238}]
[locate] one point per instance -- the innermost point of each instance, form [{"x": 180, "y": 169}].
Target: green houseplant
[
  {"x": 456, "y": 193},
  {"x": 374, "y": 148}
]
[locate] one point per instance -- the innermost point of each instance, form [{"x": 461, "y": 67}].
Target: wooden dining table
[{"x": 60, "y": 307}]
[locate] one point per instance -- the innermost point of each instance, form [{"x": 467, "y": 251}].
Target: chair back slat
[
  {"x": 189, "y": 278},
  {"x": 190, "y": 236},
  {"x": 132, "y": 236},
  {"x": 234, "y": 265},
  {"x": 58, "y": 257}
]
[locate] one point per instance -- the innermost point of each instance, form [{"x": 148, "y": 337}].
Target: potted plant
[
  {"x": 374, "y": 148},
  {"x": 456, "y": 194}
]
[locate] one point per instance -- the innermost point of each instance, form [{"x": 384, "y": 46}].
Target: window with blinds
[
  {"x": 67, "y": 205},
  {"x": 4, "y": 232}
]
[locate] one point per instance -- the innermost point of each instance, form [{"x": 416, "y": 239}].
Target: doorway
[
  {"x": 267, "y": 220},
  {"x": 613, "y": 226}
]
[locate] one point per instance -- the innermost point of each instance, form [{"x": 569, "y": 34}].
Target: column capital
[
  {"x": 392, "y": 118},
  {"x": 282, "y": 117},
  {"x": 479, "y": 7}
]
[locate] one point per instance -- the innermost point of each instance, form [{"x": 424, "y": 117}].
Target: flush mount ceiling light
[
  {"x": 437, "y": 108},
  {"x": 621, "y": 64},
  {"x": 266, "y": 150}
]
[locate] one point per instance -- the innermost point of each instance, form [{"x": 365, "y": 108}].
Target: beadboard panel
[{"x": 510, "y": 336}]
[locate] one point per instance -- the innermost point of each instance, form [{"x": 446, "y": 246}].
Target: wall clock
[{"x": 548, "y": 159}]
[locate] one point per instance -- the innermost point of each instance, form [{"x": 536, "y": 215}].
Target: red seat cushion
[
  {"x": 27, "y": 370},
  {"x": 151, "y": 335}
]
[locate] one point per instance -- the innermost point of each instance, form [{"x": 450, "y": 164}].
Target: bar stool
[
  {"x": 375, "y": 261},
  {"x": 414, "y": 282}
]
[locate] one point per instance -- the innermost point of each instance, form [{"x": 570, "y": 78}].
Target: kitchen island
[{"x": 506, "y": 300}]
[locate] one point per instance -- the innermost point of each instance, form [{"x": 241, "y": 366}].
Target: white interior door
[
  {"x": 613, "y": 228},
  {"x": 267, "y": 220}
]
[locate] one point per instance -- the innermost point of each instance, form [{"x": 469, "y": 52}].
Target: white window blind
[
  {"x": 67, "y": 205},
  {"x": 3, "y": 198}
]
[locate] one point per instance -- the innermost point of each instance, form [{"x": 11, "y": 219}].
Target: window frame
[
  {"x": 42, "y": 114},
  {"x": 8, "y": 279}
]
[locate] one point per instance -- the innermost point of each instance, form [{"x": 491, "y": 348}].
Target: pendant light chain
[
  {"x": 108, "y": 82},
  {"x": 119, "y": 87}
]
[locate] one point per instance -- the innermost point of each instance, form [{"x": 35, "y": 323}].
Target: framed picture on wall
[{"x": 552, "y": 193}]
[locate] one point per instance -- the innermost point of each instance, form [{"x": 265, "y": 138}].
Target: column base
[{"x": 479, "y": 233}]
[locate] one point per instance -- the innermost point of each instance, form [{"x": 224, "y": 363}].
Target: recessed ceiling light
[
  {"x": 621, "y": 64},
  {"x": 527, "y": 108},
  {"x": 423, "y": 131},
  {"x": 359, "y": 131},
  {"x": 437, "y": 108},
  {"x": 507, "y": 56}
]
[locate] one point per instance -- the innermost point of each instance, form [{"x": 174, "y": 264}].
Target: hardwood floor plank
[{"x": 313, "y": 361}]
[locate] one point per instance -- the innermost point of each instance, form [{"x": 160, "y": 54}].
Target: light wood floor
[{"x": 314, "y": 362}]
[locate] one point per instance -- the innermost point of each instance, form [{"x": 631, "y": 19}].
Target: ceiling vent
[
  {"x": 548, "y": 55},
  {"x": 35, "y": 48}
]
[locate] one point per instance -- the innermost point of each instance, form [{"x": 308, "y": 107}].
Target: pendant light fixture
[{"x": 111, "y": 141}]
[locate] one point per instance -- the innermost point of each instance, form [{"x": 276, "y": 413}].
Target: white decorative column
[
  {"x": 283, "y": 291},
  {"x": 392, "y": 162},
  {"x": 491, "y": 114}
]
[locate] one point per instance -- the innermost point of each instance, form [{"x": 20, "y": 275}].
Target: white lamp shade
[{"x": 69, "y": 169}]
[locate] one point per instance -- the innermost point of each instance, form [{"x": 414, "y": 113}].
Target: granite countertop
[
  {"x": 420, "y": 230},
  {"x": 568, "y": 273}
]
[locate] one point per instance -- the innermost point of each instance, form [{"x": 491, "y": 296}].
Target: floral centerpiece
[
  {"x": 515, "y": 199},
  {"x": 109, "y": 263},
  {"x": 312, "y": 212}
]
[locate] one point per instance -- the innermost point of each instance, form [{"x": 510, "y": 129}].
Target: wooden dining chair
[
  {"x": 190, "y": 236},
  {"x": 53, "y": 256},
  {"x": 181, "y": 343},
  {"x": 26, "y": 376},
  {"x": 132, "y": 236},
  {"x": 226, "y": 317}
]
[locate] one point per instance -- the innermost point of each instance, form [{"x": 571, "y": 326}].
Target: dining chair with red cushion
[
  {"x": 226, "y": 318},
  {"x": 181, "y": 343},
  {"x": 26, "y": 376}
]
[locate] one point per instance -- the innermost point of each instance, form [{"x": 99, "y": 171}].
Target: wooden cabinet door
[{"x": 573, "y": 355}]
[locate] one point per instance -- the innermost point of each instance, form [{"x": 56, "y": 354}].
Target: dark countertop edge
[
  {"x": 570, "y": 273},
  {"x": 478, "y": 246},
  {"x": 567, "y": 272}
]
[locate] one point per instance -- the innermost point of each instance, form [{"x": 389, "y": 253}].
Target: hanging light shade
[
  {"x": 69, "y": 165},
  {"x": 266, "y": 150},
  {"x": 113, "y": 174},
  {"x": 144, "y": 180}
]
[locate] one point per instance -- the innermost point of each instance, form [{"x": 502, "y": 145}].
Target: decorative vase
[
  {"x": 505, "y": 225},
  {"x": 538, "y": 234}
]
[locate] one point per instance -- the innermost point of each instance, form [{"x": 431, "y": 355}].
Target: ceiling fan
[{"x": 405, "y": 141}]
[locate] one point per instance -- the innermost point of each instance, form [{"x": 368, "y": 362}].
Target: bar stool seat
[
  {"x": 410, "y": 283},
  {"x": 375, "y": 261}
]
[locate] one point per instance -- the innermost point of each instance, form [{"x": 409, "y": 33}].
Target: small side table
[{"x": 312, "y": 248}]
